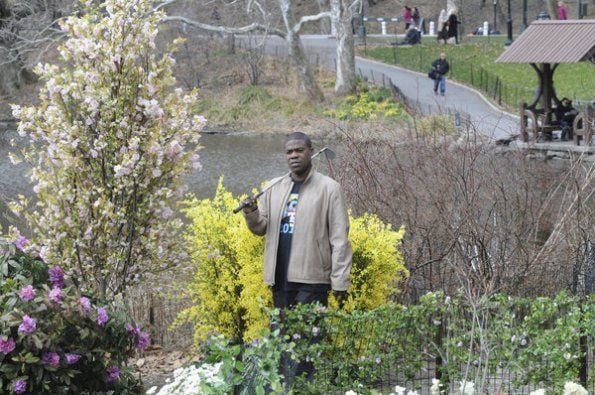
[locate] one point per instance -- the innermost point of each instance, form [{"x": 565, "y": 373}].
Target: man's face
[{"x": 298, "y": 156}]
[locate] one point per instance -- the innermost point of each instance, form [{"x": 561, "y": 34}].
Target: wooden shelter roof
[{"x": 553, "y": 41}]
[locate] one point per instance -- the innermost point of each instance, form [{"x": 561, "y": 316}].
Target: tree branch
[
  {"x": 310, "y": 18},
  {"x": 224, "y": 29}
]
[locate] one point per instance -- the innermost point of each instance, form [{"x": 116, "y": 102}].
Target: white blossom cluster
[
  {"x": 110, "y": 141},
  {"x": 187, "y": 380}
]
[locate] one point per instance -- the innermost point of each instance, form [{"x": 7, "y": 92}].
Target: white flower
[
  {"x": 540, "y": 391},
  {"x": 435, "y": 388},
  {"x": 351, "y": 393},
  {"x": 400, "y": 390},
  {"x": 571, "y": 388},
  {"x": 467, "y": 388}
]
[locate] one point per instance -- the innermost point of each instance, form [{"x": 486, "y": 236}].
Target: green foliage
[
  {"x": 228, "y": 290},
  {"x": 535, "y": 341},
  {"x": 82, "y": 348},
  {"x": 369, "y": 103},
  {"x": 435, "y": 125},
  {"x": 473, "y": 64},
  {"x": 253, "y": 93}
]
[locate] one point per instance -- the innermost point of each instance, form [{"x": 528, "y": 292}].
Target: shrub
[
  {"x": 55, "y": 340},
  {"x": 110, "y": 141},
  {"x": 368, "y": 104},
  {"x": 228, "y": 290}
]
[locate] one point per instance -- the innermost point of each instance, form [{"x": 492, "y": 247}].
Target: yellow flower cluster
[
  {"x": 227, "y": 289},
  {"x": 368, "y": 105}
]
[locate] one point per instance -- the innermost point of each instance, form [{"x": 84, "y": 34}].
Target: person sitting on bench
[{"x": 565, "y": 114}]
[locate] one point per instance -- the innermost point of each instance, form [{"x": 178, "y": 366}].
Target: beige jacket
[{"x": 320, "y": 250}]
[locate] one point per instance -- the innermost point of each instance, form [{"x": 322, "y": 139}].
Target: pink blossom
[
  {"x": 102, "y": 316},
  {"x": 27, "y": 293},
  {"x": 57, "y": 276},
  {"x": 72, "y": 358},
  {"x": 144, "y": 340},
  {"x": 112, "y": 374},
  {"x": 19, "y": 386},
  {"x": 85, "y": 305},
  {"x": 7, "y": 345},
  {"x": 21, "y": 242},
  {"x": 51, "y": 359},
  {"x": 28, "y": 325},
  {"x": 56, "y": 295}
]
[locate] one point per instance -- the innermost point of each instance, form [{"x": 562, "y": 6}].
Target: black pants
[{"x": 287, "y": 299}]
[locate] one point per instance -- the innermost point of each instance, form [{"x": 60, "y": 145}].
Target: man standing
[
  {"x": 440, "y": 67},
  {"x": 305, "y": 222}
]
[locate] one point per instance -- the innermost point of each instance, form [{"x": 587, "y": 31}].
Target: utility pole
[
  {"x": 509, "y": 25},
  {"x": 494, "y": 27},
  {"x": 525, "y": 15}
]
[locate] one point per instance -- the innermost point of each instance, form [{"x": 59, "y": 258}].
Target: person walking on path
[
  {"x": 440, "y": 67},
  {"x": 305, "y": 222},
  {"x": 562, "y": 12}
]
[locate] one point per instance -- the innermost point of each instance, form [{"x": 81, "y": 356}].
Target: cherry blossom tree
[{"x": 109, "y": 143}]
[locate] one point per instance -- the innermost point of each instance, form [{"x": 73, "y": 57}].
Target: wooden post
[
  {"x": 583, "y": 373},
  {"x": 587, "y": 124},
  {"x": 524, "y": 135}
]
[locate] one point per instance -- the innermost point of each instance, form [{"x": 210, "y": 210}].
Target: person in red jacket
[{"x": 562, "y": 11}]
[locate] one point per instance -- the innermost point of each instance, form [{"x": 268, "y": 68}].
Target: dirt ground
[{"x": 155, "y": 364}]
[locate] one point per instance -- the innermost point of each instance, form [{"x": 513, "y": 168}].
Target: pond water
[{"x": 245, "y": 160}]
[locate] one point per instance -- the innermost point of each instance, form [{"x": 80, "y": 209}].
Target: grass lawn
[{"x": 472, "y": 63}]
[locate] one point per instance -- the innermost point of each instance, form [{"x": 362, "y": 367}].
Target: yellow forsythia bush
[{"x": 227, "y": 288}]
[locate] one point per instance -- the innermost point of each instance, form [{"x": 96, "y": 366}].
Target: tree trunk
[
  {"x": 297, "y": 55},
  {"x": 324, "y": 24},
  {"x": 342, "y": 15}
]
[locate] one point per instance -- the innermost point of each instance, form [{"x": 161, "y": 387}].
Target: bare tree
[
  {"x": 475, "y": 217},
  {"x": 342, "y": 14},
  {"x": 291, "y": 34},
  {"x": 28, "y": 29}
]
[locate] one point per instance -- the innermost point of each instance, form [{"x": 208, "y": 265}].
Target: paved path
[{"x": 418, "y": 88}]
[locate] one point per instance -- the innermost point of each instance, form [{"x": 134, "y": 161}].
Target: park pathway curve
[{"x": 480, "y": 114}]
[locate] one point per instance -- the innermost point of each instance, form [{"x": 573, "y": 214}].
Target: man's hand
[{"x": 250, "y": 205}]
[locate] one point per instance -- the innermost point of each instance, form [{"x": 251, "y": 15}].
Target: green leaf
[{"x": 38, "y": 343}]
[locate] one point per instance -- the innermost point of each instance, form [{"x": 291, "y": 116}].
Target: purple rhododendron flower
[
  {"x": 21, "y": 242},
  {"x": 19, "y": 386},
  {"x": 27, "y": 293},
  {"x": 102, "y": 316},
  {"x": 144, "y": 340},
  {"x": 56, "y": 295},
  {"x": 7, "y": 346},
  {"x": 85, "y": 305},
  {"x": 57, "y": 277},
  {"x": 51, "y": 359},
  {"x": 28, "y": 325},
  {"x": 132, "y": 330},
  {"x": 112, "y": 374},
  {"x": 71, "y": 358}
]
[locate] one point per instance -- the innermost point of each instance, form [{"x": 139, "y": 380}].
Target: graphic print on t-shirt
[{"x": 288, "y": 219}]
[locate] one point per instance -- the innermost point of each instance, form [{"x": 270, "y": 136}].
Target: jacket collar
[{"x": 288, "y": 178}]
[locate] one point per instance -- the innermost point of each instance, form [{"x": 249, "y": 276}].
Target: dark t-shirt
[{"x": 284, "y": 248}]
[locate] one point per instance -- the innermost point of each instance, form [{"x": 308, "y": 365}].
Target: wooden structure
[{"x": 544, "y": 45}]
